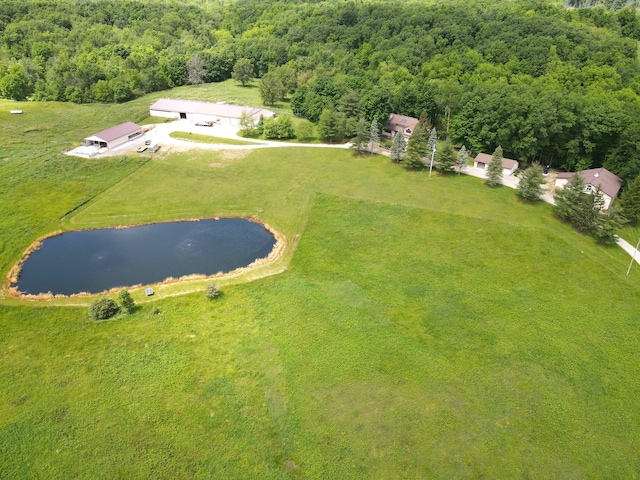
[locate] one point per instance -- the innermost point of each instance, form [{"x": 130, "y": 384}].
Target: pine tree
[
  {"x": 530, "y": 185},
  {"x": 416, "y": 148},
  {"x": 362, "y": 136},
  {"x": 463, "y": 158},
  {"x": 398, "y": 147},
  {"x": 494, "y": 169},
  {"x": 608, "y": 223},
  {"x": 568, "y": 197},
  {"x": 446, "y": 158},
  {"x": 630, "y": 201},
  {"x": 374, "y": 135},
  {"x": 433, "y": 140}
]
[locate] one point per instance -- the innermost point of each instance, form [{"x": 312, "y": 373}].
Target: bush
[
  {"x": 125, "y": 301},
  {"x": 103, "y": 308},
  {"x": 212, "y": 291}
]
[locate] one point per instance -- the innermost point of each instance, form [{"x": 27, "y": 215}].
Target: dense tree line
[{"x": 547, "y": 83}]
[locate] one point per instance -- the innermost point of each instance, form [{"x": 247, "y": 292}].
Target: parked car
[
  {"x": 147, "y": 142},
  {"x": 154, "y": 147},
  {"x": 142, "y": 149},
  {"x": 204, "y": 124}
]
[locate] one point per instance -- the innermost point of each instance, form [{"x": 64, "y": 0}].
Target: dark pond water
[{"x": 97, "y": 260}]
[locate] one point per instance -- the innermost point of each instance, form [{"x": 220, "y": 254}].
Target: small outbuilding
[
  {"x": 609, "y": 183},
  {"x": 114, "y": 136},
  {"x": 400, "y": 124},
  {"x": 205, "y": 112},
  {"x": 509, "y": 166}
]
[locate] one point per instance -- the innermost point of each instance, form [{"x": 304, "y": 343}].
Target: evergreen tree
[
  {"x": 530, "y": 185},
  {"x": 630, "y": 201},
  {"x": 462, "y": 159},
  {"x": 608, "y": 223},
  {"x": 374, "y": 134},
  {"x": 398, "y": 147},
  {"x": 362, "y": 136},
  {"x": 568, "y": 198},
  {"x": 446, "y": 157},
  {"x": 126, "y": 301},
  {"x": 581, "y": 209},
  {"x": 494, "y": 169},
  {"x": 433, "y": 140},
  {"x": 416, "y": 148}
]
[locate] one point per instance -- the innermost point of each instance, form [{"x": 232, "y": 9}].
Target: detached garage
[
  {"x": 114, "y": 136},
  {"x": 216, "y": 113},
  {"x": 508, "y": 166}
]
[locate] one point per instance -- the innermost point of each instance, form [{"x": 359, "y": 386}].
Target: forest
[{"x": 548, "y": 82}]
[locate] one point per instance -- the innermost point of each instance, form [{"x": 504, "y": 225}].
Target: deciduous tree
[
  {"x": 271, "y": 88},
  {"x": 196, "y": 72},
  {"x": 126, "y": 301},
  {"x": 243, "y": 71},
  {"x": 331, "y": 125}
]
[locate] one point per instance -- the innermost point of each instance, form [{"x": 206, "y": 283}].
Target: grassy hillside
[{"x": 422, "y": 329}]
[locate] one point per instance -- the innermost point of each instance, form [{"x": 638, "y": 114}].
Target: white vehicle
[{"x": 154, "y": 147}]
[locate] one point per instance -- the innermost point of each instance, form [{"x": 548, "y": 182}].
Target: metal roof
[
  {"x": 206, "y": 108},
  {"x": 608, "y": 182},
  {"x": 118, "y": 131}
]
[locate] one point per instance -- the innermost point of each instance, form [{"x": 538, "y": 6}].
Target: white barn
[
  {"x": 508, "y": 166},
  {"x": 195, "y": 111},
  {"x": 114, "y": 136}
]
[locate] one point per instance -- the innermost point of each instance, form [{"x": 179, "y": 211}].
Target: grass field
[
  {"x": 423, "y": 328},
  {"x": 200, "y": 138}
]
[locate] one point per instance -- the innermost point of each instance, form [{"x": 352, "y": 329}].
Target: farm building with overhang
[{"x": 114, "y": 136}]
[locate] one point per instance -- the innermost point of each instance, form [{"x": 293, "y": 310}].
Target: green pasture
[
  {"x": 414, "y": 327},
  {"x": 202, "y": 138}
]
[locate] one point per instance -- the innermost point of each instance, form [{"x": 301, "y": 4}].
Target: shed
[
  {"x": 609, "y": 183},
  {"x": 508, "y": 166},
  {"x": 115, "y": 136},
  {"x": 201, "y": 112}
]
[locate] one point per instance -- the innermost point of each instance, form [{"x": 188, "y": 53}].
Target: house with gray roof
[
  {"x": 201, "y": 112},
  {"x": 114, "y": 136},
  {"x": 609, "y": 183}
]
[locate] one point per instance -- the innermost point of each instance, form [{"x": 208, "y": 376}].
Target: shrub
[
  {"x": 212, "y": 291},
  {"x": 125, "y": 301},
  {"x": 103, "y": 308}
]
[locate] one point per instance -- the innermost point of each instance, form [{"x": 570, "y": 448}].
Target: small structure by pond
[{"x": 93, "y": 261}]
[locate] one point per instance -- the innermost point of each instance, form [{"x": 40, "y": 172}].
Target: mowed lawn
[{"x": 423, "y": 328}]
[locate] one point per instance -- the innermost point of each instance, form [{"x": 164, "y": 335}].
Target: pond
[{"x": 94, "y": 261}]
